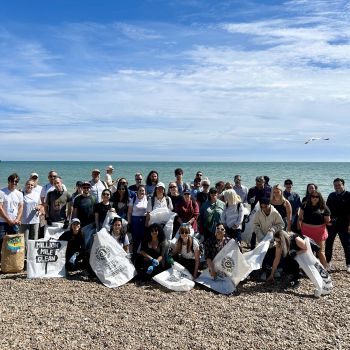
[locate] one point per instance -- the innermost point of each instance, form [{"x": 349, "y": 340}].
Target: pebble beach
[{"x": 80, "y": 313}]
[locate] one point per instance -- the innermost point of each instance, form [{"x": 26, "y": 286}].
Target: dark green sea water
[{"x": 301, "y": 173}]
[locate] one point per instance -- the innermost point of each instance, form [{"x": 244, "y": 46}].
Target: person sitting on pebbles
[
  {"x": 186, "y": 251},
  {"x": 153, "y": 253},
  {"x": 213, "y": 245}
]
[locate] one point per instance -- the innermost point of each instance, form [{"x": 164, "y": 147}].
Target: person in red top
[{"x": 187, "y": 210}]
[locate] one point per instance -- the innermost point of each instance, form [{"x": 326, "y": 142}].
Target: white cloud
[{"x": 292, "y": 85}]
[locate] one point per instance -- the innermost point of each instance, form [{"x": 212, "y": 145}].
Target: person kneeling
[
  {"x": 152, "y": 257},
  {"x": 186, "y": 251},
  {"x": 76, "y": 257}
]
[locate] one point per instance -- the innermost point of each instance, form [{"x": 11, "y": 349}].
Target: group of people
[{"x": 207, "y": 218}]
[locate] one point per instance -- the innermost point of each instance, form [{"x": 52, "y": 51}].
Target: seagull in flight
[{"x": 316, "y": 138}]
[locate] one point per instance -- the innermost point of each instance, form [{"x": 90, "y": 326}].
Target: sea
[{"x": 320, "y": 173}]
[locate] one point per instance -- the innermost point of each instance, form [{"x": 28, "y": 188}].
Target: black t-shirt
[
  {"x": 102, "y": 210},
  {"x": 85, "y": 209},
  {"x": 339, "y": 205},
  {"x": 314, "y": 215},
  {"x": 75, "y": 243}
]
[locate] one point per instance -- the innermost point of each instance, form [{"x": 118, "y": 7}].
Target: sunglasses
[
  {"x": 205, "y": 185},
  {"x": 186, "y": 194},
  {"x": 288, "y": 183},
  {"x": 172, "y": 186},
  {"x": 52, "y": 176},
  {"x": 315, "y": 197},
  {"x": 154, "y": 231},
  {"x": 105, "y": 194},
  {"x": 85, "y": 187},
  {"x": 220, "y": 229},
  {"x": 14, "y": 181},
  {"x": 121, "y": 189},
  {"x": 123, "y": 182},
  {"x": 185, "y": 233}
]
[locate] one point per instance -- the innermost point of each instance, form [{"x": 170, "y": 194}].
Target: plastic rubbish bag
[
  {"x": 110, "y": 261},
  {"x": 177, "y": 278},
  {"x": 164, "y": 217}
]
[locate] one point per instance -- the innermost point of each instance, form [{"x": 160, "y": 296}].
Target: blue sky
[{"x": 174, "y": 80}]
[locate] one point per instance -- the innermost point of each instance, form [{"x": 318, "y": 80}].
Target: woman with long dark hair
[
  {"x": 314, "y": 215},
  {"x": 120, "y": 199},
  {"x": 151, "y": 182},
  {"x": 118, "y": 233},
  {"x": 154, "y": 249}
]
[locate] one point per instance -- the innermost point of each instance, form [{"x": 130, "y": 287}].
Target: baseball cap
[
  {"x": 110, "y": 167},
  {"x": 75, "y": 220},
  {"x": 96, "y": 171},
  {"x": 34, "y": 175},
  {"x": 160, "y": 184}
]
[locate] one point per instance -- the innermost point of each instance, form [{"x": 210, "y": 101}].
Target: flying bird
[{"x": 315, "y": 139}]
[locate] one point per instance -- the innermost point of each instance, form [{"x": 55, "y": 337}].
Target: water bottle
[
  {"x": 73, "y": 259},
  {"x": 15, "y": 228}
]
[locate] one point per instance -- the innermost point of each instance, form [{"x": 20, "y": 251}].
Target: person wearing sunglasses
[
  {"x": 49, "y": 186},
  {"x": 173, "y": 193},
  {"x": 213, "y": 245},
  {"x": 120, "y": 199},
  {"x": 186, "y": 251},
  {"x": 11, "y": 207},
  {"x": 83, "y": 205},
  {"x": 203, "y": 194},
  {"x": 314, "y": 215},
  {"x": 153, "y": 252},
  {"x": 102, "y": 208}
]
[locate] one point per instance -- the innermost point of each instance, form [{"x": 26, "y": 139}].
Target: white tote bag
[
  {"x": 46, "y": 258},
  {"x": 231, "y": 263},
  {"x": 222, "y": 285},
  {"x": 177, "y": 278},
  {"x": 315, "y": 271},
  {"x": 109, "y": 261}
]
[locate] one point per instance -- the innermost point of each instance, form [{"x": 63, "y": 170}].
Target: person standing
[
  {"x": 258, "y": 191},
  {"x": 181, "y": 185},
  {"x": 58, "y": 204},
  {"x": 108, "y": 177},
  {"x": 11, "y": 206},
  {"x": 83, "y": 206},
  {"x": 31, "y": 210},
  {"x": 138, "y": 182},
  {"x": 294, "y": 200},
  {"x": 210, "y": 214},
  {"x": 338, "y": 203},
  {"x": 97, "y": 186},
  {"x": 241, "y": 190}
]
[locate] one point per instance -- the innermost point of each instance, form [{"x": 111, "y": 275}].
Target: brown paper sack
[{"x": 12, "y": 253}]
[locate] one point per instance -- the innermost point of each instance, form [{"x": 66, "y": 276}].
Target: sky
[{"x": 182, "y": 80}]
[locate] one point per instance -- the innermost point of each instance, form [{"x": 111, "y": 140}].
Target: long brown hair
[
  {"x": 179, "y": 242},
  {"x": 321, "y": 203}
]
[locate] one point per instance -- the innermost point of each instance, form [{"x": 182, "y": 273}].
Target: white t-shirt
[
  {"x": 11, "y": 200},
  {"x": 163, "y": 203},
  {"x": 139, "y": 208},
  {"x": 190, "y": 254},
  {"x": 126, "y": 240},
  {"x": 30, "y": 202},
  {"x": 97, "y": 189}
]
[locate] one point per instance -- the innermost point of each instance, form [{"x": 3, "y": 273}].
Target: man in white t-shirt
[
  {"x": 97, "y": 186},
  {"x": 11, "y": 207},
  {"x": 108, "y": 177}
]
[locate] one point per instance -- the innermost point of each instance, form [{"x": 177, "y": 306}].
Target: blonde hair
[
  {"x": 280, "y": 188},
  {"x": 231, "y": 197}
]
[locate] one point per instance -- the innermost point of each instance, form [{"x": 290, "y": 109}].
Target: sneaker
[
  {"x": 277, "y": 274},
  {"x": 348, "y": 268}
]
